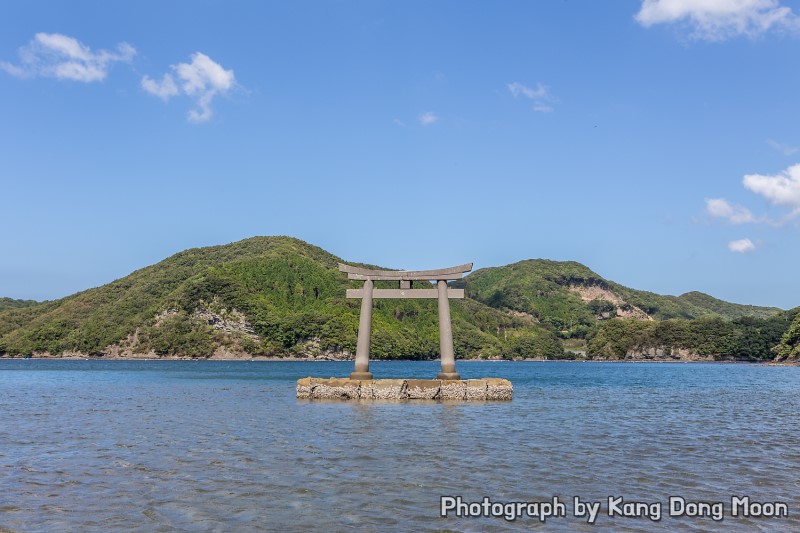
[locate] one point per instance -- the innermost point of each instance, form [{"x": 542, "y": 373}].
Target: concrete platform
[{"x": 404, "y": 389}]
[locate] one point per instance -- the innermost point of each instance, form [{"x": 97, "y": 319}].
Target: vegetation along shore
[{"x": 279, "y": 297}]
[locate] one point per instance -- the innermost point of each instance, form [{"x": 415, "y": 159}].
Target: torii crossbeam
[{"x": 406, "y": 278}]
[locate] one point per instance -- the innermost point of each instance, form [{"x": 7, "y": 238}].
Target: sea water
[{"x": 226, "y": 446}]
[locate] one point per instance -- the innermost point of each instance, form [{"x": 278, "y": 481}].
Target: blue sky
[{"x": 653, "y": 141}]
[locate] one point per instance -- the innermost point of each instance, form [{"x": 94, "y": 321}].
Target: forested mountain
[
  {"x": 280, "y": 296},
  {"x": 260, "y": 296},
  {"x": 606, "y": 320},
  {"x": 570, "y": 298}
]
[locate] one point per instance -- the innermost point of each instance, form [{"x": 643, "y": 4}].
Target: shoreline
[{"x": 264, "y": 358}]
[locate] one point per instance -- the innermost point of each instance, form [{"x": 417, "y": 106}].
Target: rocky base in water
[{"x": 404, "y": 389}]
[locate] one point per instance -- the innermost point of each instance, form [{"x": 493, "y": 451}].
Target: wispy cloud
[
  {"x": 541, "y": 96},
  {"x": 785, "y": 148},
  {"x": 202, "y": 80},
  {"x": 735, "y": 214},
  {"x": 742, "y": 246},
  {"x": 54, "y": 55},
  {"x": 717, "y": 20},
  {"x": 427, "y": 118},
  {"x": 518, "y": 89}
]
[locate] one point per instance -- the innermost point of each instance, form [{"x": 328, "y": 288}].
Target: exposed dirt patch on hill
[{"x": 623, "y": 309}]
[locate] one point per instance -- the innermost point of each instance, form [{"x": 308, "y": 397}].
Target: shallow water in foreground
[{"x": 225, "y": 446}]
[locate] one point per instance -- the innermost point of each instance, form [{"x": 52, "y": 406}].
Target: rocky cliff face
[
  {"x": 617, "y": 308},
  {"x": 229, "y": 321},
  {"x": 667, "y": 354}
]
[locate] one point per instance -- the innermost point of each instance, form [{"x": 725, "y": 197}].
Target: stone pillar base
[
  {"x": 405, "y": 389},
  {"x": 360, "y": 375},
  {"x": 448, "y": 375}
]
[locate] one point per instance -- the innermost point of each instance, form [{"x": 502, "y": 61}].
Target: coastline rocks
[{"x": 404, "y": 389}]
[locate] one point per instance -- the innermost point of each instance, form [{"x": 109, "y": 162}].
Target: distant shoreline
[{"x": 262, "y": 358}]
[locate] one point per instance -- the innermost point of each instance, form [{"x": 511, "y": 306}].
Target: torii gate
[{"x": 405, "y": 277}]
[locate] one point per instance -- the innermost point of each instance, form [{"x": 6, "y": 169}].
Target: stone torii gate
[{"x": 406, "y": 278}]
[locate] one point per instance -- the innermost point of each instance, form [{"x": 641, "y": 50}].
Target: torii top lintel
[{"x": 405, "y": 275}]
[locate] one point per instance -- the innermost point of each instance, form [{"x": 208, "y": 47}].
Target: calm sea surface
[{"x": 225, "y": 446}]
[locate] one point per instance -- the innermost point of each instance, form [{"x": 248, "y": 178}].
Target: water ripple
[{"x": 181, "y": 446}]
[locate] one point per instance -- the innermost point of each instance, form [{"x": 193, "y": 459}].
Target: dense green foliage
[
  {"x": 178, "y": 334},
  {"x": 10, "y": 303},
  {"x": 281, "y": 296},
  {"x": 289, "y": 292},
  {"x": 745, "y": 338},
  {"x": 727, "y": 309},
  {"x": 789, "y": 347},
  {"x": 541, "y": 288},
  {"x": 693, "y": 324}
]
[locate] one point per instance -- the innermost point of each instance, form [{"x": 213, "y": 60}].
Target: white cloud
[
  {"x": 742, "y": 246},
  {"x": 428, "y": 118},
  {"x": 716, "y": 20},
  {"x": 164, "y": 89},
  {"x": 540, "y": 95},
  {"x": 735, "y": 214},
  {"x": 54, "y": 55},
  {"x": 202, "y": 79},
  {"x": 782, "y": 189},
  {"x": 785, "y": 148}
]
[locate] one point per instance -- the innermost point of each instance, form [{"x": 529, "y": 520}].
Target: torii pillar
[{"x": 406, "y": 277}]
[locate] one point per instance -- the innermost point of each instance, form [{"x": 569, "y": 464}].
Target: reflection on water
[{"x": 225, "y": 446}]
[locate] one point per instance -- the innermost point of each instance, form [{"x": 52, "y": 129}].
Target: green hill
[
  {"x": 726, "y": 309},
  {"x": 10, "y": 303},
  {"x": 280, "y": 296},
  {"x": 261, "y": 296},
  {"x": 570, "y": 298},
  {"x": 600, "y": 319}
]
